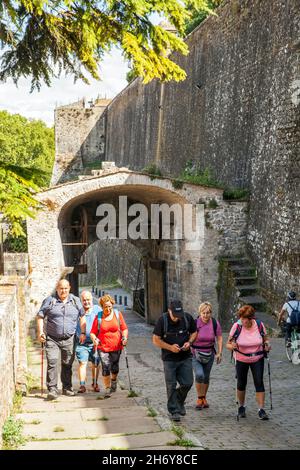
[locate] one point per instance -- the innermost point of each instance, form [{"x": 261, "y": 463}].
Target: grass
[
  {"x": 153, "y": 170},
  {"x": 180, "y": 441},
  {"x": 12, "y": 433},
  {"x": 32, "y": 382},
  {"x": 59, "y": 429},
  {"x": 194, "y": 175},
  {"x": 212, "y": 204},
  {"x": 177, "y": 184},
  {"x": 35, "y": 421},
  {"x": 132, "y": 393},
  {"x": 236, "y": 194},
  {"x": 17, "y": 403},
  {"x": 104, "y": 418},
  {"x": 151, "y": 412}
]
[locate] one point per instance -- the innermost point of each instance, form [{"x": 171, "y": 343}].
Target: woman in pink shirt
[
  {"x": 204, "y": 353},
  {"x": 248, "y": 341}
]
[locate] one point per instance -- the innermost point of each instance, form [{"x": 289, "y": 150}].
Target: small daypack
[
  {"x": 237, "y": 333},
  {"x": 100, "y": 314},
  {"x": 239, "y": 326},
  {"x": 295, "y": 315},
  {"x": 165, "y": 319}
]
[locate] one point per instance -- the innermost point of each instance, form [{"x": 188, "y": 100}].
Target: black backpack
[
  {"x": 295, "y": 315},
  {"x": 165, "y": 320}
]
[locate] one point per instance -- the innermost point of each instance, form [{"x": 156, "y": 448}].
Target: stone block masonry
[{"x": 237, "y": 113}]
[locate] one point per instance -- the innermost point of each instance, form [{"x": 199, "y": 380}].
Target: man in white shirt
[{"x": 291, "y": 304}]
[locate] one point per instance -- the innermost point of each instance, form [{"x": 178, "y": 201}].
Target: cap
[
  {"x": 292, "y": 295},
  {"x": 176, "y": 308}
]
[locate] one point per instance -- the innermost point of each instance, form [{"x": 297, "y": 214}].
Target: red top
[{"x": 110, "y": 335}]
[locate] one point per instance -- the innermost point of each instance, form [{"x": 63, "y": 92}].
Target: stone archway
[{"x": 191, "y": 276}]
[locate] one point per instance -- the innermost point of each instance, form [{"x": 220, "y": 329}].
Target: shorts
[{"x": 85, "y": 353}]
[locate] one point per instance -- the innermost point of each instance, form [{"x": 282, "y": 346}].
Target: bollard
[
  {"x": 125, "y": 300},
  {"x": 120, "y": 300}
]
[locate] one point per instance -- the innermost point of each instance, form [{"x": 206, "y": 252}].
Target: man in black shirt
[{"x": 174, "y": 333}]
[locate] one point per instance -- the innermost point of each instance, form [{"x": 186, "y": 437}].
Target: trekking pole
[
  {"x": 236, "y": 393},
  {"x": 126, "y": 359},
  {"x": 42, "y": 369},
  {"x": 269, "y": 374}
]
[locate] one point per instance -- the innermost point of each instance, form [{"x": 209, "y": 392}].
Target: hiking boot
[
  {"x": 204, "y": 403},
  {"x": 199, "y": 404},
  {"x": 52, "y": 395},
  {"x": 262, "y": 414},
  {"x": 288, "y": 343},
  {"x": 182, "y": 411},
  {"x": 242, "y": 412},
  {"x": 96, "y": 388},
  {"x": 113, "y": 386},
  {"x": 68, "y": 392},
  {"x": 82, "y": 389},
  {"x": 175, "y": 417},
  {"x": 107, "y": 393}
]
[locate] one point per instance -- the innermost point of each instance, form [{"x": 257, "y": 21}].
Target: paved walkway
[
  {"x": 217, "y": 427},
  {"x": 91, "y": 422}
]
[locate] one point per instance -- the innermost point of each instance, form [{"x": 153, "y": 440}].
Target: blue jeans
[
  {"x": 181, "y": 372},
  {"x": 202, "y": 371}
]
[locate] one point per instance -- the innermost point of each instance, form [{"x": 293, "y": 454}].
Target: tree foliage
[
  {"x": 27, "y": 156},
  {"x": 197, "y": 16},
  {"x": 41, "y": 38}
]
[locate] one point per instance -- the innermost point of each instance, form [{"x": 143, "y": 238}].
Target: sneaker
[
  {"x": 82, "y": 389},
  {"x": 288, "y": 343},
  {"x": 262, "y": 414},
  {"x": 204, "y": 403},
  {"x": 68, "y": 392},
  {"x": 113, "y": 386},
  {"x": 182, "y": 411},
  {"x": 175, "y": 417},
  {"x": 96, "y": 388},
  {"x": 52, "y": 395},
  {"x": 242, "y": 412},
  {"x": 199, "y": 404},
  {"x": 107, "y": 393}
]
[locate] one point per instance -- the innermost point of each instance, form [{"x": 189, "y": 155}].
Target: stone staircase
[
  {"x": 89, "y": 421},
  {"x": 247, "y": 290}
]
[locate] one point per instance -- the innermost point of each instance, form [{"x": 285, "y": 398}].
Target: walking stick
[
  {"x": 42, "y": 369},
  {"x": 236, "y": 393},
  {"x": 269, "y": 373},
  {"x": 126, "y": 359}
]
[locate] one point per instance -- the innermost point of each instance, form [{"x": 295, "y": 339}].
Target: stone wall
[
  {"x": 13, "y": 332},
  {"x": 16, "y": 264},
  {"x": 79, "y": 138},
  {"x": 237, "y": 113},
  {"x": 117, "y": 259}
]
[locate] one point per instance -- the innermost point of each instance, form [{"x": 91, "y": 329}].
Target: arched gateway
[{"x": 61, "y": 233}]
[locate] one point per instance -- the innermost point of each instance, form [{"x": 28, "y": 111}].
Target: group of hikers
[
  {"x": 95, "y": 333},
  {"x": 189, "y": 347}
]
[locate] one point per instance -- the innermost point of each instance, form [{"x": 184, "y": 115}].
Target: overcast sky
[{"x": 41, "y": 105}]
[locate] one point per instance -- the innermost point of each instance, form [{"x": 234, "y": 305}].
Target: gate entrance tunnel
[{"x": 140, "y": 264}]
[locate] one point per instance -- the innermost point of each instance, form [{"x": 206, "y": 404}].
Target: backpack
[
  {"x": 295, "y": 315},
  {"x": 237, "y": 333},
  {"x": 239, "y": 326},
  {"x": 53, "y": 301},
  {"x": 100, "y": 314},
  {"x": 215, "y": 325},
  {"x": 165, "y": 320}
]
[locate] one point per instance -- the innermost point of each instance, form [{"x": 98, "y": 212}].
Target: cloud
[{"x": 41, "y": 105}]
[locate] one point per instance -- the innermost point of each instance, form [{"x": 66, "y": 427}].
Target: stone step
[
  {"x": 248, "y": 289},
  {"x": 237, "y": 261},
  {"x": 58, "y": 426},
  {"x": 241, "y": 280},
  {"x": 243, "y": 270},
  {"x": 154, "y": 440},
  {"x": 256, "y": 301}
]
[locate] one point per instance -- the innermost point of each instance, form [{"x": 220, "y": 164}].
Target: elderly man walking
[
  {"x": 84, "y": 344},
  {"x": 62, "y": 312}
]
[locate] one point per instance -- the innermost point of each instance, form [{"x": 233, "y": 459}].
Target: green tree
[
  {"x": 27, "y": 156},
  {"x": 43, "y": 37},
  {"x": 196, "y": 16}
]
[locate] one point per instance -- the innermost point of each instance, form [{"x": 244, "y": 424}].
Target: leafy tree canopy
[
  {"x": 197, "y": 16},
  {"x": 27, "y": 156},
  {"x": 40, "y": 38}
]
